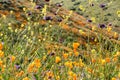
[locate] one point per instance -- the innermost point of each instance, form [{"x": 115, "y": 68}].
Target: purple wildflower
[
  {"x": 59, "y": 4},
  {"x": 47, "y": 18},
  {"x": 38, "y": 7},
  {"x": 52, "y": 54},
  {"x": 47, "y": 0},
  {"x": 89, "y": 20},
  {"x": 110, "y": 24},
  {"x": 59, "y": 20},
  {"x": 17, "y": 66},
  {"x": 92, "y": 4},
  {"x": 61, "y": 40},
  {"x": 102, "y": 25},
  {"x": 29, "y": 13},
  {"x": 102, "y": 5}
]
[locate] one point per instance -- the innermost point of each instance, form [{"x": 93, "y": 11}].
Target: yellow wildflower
[
  {"x": 93, "y": 51},
  {"x": 81, "y": 64},
  {"x": 33, "y": 5},
  {"x": 116, "y": 35},
  {"x": 109, "y": 29},
  {"x": 1, "y": 53},
  {"x": 70, "y": 73},
  {"x": 1, "y": 63},
  {"x": 82, "y": 8},
  {"x": 1, "y": 78},
  {"x": 76, "y": 64},
  {"x": 103, "y": 61},
  {"x": 90, "y": 1},
  {"x": 93, "y": 28},
  {"x": 44, "y": 10},
  {"x": 67, "y": 17},
  {"x": 22, "y": 25},
  {"x": 118, "y": 13},
  {"x": 76, "y": 54},
  {"x": 117, "y": 54},
  {"x": 110, "y": 3},
  {"x": 9, "y": 24},
  {"x": 57, "y": 77},
  {"x": 113, "y": 78},
  {"x": 69, "y": 64},
  {"x": 12, "y": 58},
  {"x": 11, "y": 12},
  {"x": 24, "y": 9},
  {"x": 119, "y": 74},
  {"x": 65, "y": 55},
  {"x": 82, "y": 32},
  {"x": 26, "y": 78},
  {"x": 95, "y": 39},
  {"x": 3, "y": 68},
  {"x": 93, "y": 19},
  {"x": 4, "y": 16},
  {"x": 44, "y": 58}
]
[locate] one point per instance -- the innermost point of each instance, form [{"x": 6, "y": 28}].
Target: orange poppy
[
  {"x": 65, "y": 26},
  {"x": 1, "y": 46},
  {"x": 57, "y": 59},
  {"x": 75, "y": 30},
  {"x": 93, "y": 60},
  {"x": 75, "y": 45},
  {"x": 107, "y": 60}
]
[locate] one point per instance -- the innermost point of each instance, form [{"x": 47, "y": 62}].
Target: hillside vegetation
[{"x": 49, "y": 41}]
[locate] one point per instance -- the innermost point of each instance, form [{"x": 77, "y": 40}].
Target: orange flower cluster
[
  {"x": 65, "y": 55},
  {"x": 34, "y": 66},
  {"x": 50, "y": 74},
  {"x": 1, "y": 54},
  {"x": 19, "y": 74},
  {"x": 72, "y": 75},
  {"x": 89, "y": 70},
  {"x": 75, "y": 46},
  {"x": 69, "y": 64},
  {"x": 76, "y": 64},
  {"x": 2, "y": 65}
]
